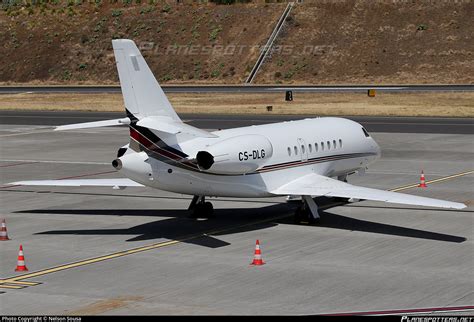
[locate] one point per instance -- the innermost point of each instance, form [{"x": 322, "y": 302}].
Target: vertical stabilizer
[{"x": 141, "y": 92}]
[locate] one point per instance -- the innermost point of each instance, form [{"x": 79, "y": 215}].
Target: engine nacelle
[
  {"x": 134, "y": 166},
  {"x": 237, "y": 155}
]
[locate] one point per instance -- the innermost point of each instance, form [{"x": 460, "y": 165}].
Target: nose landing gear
[
  {"x": 307, "y": 211},
  {"x": 200, "y": 208}
]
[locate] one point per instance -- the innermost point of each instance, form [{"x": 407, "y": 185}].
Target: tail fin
[{"x": 141, "y": 92}]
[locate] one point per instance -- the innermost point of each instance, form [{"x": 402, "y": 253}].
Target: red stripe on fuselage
[{"x": 143, "y": 140}]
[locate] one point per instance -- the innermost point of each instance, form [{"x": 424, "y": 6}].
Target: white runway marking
[{"x": 59, "y": 162}]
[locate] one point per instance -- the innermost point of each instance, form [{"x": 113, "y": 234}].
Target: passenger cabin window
[
  {"x": 322, "y": 146},
  {"x": 315, "y": 147},
  {"x": 296, "y": 149},
  {"x": 329, "y": 145},
  {"x": 310, "y": 148},
  {"x": 302, "y": 148},
  {"x": 340, "y": 143},
  {"x": 334, "y": 144},
  {"x": 289, "y": 151},
  {"x": 365, "y": 132}
]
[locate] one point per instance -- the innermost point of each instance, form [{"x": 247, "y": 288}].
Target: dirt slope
[
  {"x": 324, "y": 42},
  {"x": 361, "y": 42},
  {"x": 181, "y": 42}
]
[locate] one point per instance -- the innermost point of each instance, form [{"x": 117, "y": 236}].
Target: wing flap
[
  {"x": 317, "y": 185},
  {"x": 120, "y": 182}
]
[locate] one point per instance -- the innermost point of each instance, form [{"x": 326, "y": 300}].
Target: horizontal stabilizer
[
  {"x": 317, "y": 185},
  {"x": 123, "y": 121},
  {"x": 120, "y": 182},
  {"x": 168, "y": 125}
]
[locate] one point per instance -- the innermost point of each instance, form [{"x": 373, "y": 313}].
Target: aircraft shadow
[{"x": 178, "y": 225}]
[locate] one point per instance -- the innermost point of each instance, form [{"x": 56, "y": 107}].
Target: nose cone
[{"x": 378, "y": 150}]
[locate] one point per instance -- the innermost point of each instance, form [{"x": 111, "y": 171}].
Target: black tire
[
  {"x": 208, "y": 209},
  {"x": 197, "y": 211},
  {"x": 298, "y": 216},
  {"x": 312, "y": 221}
]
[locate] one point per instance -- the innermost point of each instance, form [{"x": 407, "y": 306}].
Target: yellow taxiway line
[
  {"x": 434, "y": 181},
  {"x": 19, "y": 283}
]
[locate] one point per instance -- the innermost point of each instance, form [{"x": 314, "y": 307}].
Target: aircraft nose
[{"x": 378, "y": 150}]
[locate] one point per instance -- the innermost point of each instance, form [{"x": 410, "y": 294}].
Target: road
[
  {"x": 211, "y": 121},
  {"x": 241, "y": 88}
]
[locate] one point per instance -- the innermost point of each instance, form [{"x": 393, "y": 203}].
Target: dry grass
[{"x": 448, "y": 104}]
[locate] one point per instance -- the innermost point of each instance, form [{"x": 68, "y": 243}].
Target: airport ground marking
[
  {"x": 19, "y": 283},
  {"x": 14, "y": 287},
  {"x": 433, "y": 181}
]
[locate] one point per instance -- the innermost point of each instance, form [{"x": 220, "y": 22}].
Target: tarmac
[
  {"x": 136, "y": 251},
  {"x": 392, "y": 124}
]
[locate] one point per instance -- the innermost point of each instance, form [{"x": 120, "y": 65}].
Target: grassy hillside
[{"x": 365, "y": 41}]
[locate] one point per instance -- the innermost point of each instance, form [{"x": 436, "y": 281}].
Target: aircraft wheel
[
  {"x": 312, "y": 221},
  {"x": 197, "y": 211},
  {"x": 208, "y": 209},
  {"x": 297, "y": 216}
]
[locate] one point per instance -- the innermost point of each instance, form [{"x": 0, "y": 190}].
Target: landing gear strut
[
  {"x": 199, "y": 207},
  {"x": 307, "y": 211}
]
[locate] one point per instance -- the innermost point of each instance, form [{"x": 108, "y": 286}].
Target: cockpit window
[{"x": 366, "y": 133}]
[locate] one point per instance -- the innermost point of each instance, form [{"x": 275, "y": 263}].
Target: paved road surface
[
  {"x": 240, "y": 88},
  {"x": 373, "y": 124}
]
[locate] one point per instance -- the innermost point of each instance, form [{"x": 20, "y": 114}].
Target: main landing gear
[
  {"x": 200, "y": 208},
  {"x": 307, "y": 211}
]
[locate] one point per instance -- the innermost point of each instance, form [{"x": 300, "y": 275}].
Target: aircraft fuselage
[{"x": 327, "y": 146}]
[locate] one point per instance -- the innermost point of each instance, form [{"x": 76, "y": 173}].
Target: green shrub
[
  {"x": 422, "y": 27},
  {"x": 289, "y": 74},
  {"x": 146, "y": 10},
  {"x": 166, "y": 8},
  {"x": 116, "y": 12},
  {"x": 66, "y": 75},
  {"x": 167, "y": 77},
  {"x": 214, "y": 32}
]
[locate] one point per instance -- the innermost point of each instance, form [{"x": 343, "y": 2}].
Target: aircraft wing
[
  {"x": 318, "y": 185},
  {"x": 120, "y": 182}
]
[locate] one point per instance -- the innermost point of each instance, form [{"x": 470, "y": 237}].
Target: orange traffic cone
[
  {"x": 257, "y": 259},
  {"x": 422, "y": 180},
  {"x": 3, "y": 231},
  {"x": 21, "y": 261}
]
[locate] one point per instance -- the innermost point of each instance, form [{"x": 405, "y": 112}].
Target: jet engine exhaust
[
  {"x": 117, "y": 164},
  {"x": 204, "y": 160}
]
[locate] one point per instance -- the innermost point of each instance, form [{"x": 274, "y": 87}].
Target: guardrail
[{"x": 266, "y": 49}]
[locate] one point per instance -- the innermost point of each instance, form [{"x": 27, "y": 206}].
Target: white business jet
[{"x": 306, "y": 158}]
